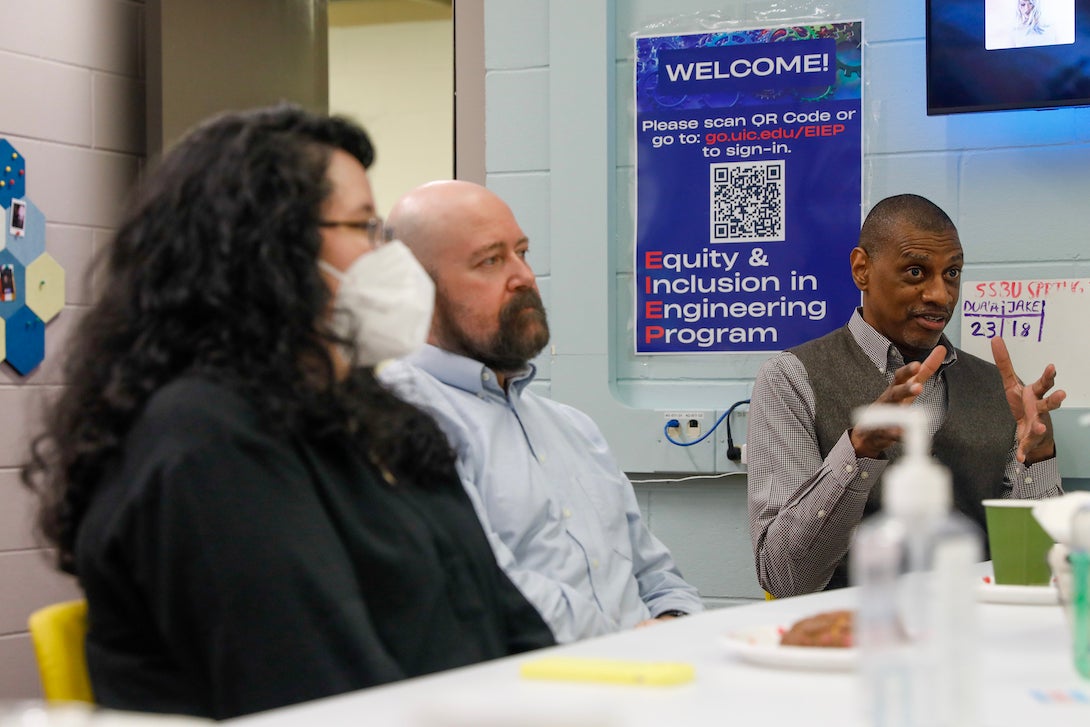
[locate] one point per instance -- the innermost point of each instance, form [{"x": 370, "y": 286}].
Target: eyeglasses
[{"x": 374, "y": 228}]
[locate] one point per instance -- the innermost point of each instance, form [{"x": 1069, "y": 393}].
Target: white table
[{"x": 1026, "y": 667}]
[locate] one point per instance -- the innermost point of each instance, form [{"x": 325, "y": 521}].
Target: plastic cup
[{"x": 1018, "y": 543}]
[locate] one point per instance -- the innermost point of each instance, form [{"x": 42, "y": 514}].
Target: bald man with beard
[{"x": 561, "y": 515}]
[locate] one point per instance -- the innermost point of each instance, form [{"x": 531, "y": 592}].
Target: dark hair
[
  {"x": 884, "y": 219},
  {"x": 214, "y": 271}
]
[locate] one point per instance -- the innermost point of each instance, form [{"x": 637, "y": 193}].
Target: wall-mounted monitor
[{"x": 992, "y": 55}]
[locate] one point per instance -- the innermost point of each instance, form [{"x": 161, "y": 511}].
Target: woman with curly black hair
[{"x": 254, "y": 520}]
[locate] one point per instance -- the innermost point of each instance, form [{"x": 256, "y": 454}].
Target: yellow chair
[{"x": 59, "y": 632}]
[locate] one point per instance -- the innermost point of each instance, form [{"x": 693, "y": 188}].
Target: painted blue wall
[{"x": 559, "y": 140}]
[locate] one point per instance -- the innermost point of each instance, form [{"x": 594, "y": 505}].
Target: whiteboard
[{"x": 1041, "y": 321}]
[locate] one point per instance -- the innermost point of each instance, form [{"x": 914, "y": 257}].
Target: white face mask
[{"x": 388, "y": 297}]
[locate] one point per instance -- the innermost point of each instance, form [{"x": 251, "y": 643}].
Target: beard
[{"x": 522, "y": 332}]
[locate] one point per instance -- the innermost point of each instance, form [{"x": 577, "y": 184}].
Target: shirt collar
[
  {"x": 465, "y": 373},
  {"x": 881, "y": 351}
]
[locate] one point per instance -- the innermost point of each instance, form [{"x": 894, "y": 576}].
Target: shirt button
[
  {"x": 485, "y": 376},
  {"x": 594, "y": 563},
  {"x": 864, "y": 475},
  {"x": 567, "y": 512},
  {"x": 1028, "y": 480},
  {"x": 848, "y": 468},
  {"x": 821, "y": 513}
]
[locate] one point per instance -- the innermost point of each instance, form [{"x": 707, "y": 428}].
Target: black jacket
[{"x": 230, "y": 571}]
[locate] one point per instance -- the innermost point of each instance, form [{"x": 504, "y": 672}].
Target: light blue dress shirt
[{"x": 562, "y": 517}]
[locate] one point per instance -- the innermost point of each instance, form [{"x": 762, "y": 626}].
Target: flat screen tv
[{"x": 992, "y": 55}]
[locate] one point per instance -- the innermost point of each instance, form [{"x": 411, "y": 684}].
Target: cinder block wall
[{"x": 73, "y": 80}]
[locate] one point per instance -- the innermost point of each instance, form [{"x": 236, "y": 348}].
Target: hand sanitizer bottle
[{"x": 913, "y": 562}]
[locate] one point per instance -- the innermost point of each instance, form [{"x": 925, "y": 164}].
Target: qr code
[{"x": 747, "y": 201}]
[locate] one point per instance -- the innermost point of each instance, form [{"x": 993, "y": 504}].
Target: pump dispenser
[
  {"x": 915, "y": 485},
  {"x": 914, "y": 565}
]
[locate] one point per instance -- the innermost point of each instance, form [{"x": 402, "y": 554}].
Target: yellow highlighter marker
[{"x": 652, "y": 673}]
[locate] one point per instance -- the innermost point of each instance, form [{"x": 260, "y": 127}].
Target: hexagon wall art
[{"x": 31, "y": 280}]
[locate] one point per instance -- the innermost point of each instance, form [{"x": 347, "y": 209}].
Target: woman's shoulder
[
  {"x": 191, "y": 424},
  {"x": 194, "y": 407},
  {"x": 190, "y": 419},
  {"x": 197, "y": 392}
]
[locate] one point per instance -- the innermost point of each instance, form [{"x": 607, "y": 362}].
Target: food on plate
[{"x": 828, "y": 629}]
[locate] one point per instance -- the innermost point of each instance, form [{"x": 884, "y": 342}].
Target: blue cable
[{"x": 724, "y": 415}]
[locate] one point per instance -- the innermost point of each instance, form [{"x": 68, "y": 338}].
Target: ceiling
[{"x": 344, "y": 13}]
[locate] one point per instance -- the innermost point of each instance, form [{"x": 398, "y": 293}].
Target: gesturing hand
[
  {"x": 1029, "y": 406},
  {"x": 907, "y": 384}
]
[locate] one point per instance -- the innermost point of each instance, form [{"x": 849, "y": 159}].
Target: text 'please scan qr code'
[{"x": 747, "y": 201}]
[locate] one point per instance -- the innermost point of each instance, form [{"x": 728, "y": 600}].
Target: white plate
[
  {"x": 761, "y": 645},
  {"x": 1018, "y": 595}
]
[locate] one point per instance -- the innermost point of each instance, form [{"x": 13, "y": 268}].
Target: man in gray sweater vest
[{"x": 812, "y": 477}]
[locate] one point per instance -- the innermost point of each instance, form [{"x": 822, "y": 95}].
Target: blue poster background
[{"x": 749, "y": 187}]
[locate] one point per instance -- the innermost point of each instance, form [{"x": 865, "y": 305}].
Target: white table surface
[{"x": 1026, "y": 668}]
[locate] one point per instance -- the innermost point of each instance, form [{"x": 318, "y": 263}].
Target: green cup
[{"x": 1018, "y": 543}]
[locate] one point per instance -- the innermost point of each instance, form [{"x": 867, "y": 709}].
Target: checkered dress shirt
[{"x": 803, "y": 510}]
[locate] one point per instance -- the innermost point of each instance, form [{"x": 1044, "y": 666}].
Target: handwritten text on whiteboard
[{"x": 1014, "y": 308}]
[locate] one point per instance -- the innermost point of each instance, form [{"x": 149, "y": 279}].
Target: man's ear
[{"x": 860, "y": 262}]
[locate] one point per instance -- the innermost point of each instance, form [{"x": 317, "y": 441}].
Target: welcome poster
[{"x": 748, "y": 186}]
